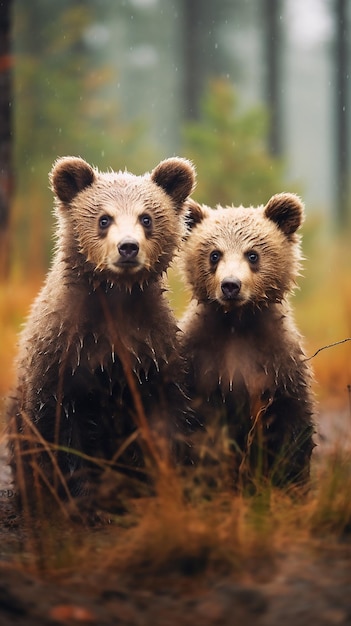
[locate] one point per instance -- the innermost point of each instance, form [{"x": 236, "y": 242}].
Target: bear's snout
[
  {"x": 231, "y": 287},
  {"x": 128, "y": 249}
]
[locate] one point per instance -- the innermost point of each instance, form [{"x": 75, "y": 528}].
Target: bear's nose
[
  {"x": 231, "y": 287},
  {"x": 128, "y": 248}
]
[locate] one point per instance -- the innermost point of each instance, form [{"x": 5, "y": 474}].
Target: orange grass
[
  {"x": 222, "y": 533},
  {"x": 16, "y": 296},
  {"x": 323, "y": 313}
]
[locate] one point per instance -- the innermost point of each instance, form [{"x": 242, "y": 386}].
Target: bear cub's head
[
  {"x": 238, "y": 257},
  {"x": 118, "y": 226}
]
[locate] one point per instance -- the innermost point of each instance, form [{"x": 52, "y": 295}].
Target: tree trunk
[
  {"x": 193, "y": 66},
  {"x": 342, "y": 112},
  {"x": 6, "y": 171},
  {"x": 272, "y": 9}
]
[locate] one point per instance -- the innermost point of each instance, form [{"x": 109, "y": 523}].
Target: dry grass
[
  {"x": 166, "y": 536},
  {"x": 16, "y": 296},
  {"x": 323, "y": 313}
]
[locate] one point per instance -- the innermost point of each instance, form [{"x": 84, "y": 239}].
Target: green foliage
[{"x": 228, "y": 146}]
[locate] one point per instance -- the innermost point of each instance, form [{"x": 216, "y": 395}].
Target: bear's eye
[
  {"x": 104, "y": 221},
  {"x": 252, "y": 257},
  {"x": 215, "y": 256},
  {"x": 146, "y": 220}
]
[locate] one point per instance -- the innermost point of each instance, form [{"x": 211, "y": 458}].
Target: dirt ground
[{"x": 299, "y": 587}]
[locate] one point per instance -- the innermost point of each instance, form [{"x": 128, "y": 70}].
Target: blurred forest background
[{"x": 256, "y": 92}]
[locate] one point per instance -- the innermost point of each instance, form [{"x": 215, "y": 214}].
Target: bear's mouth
[
  {"x": 127, "y": 265},
  {"x": 126, "y": 262},
  {"x": 233, "y": 302}
]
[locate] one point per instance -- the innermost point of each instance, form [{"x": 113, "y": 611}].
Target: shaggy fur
[
  {"x": 102, "y": 316},
  {"x": 247, "y": 372}
]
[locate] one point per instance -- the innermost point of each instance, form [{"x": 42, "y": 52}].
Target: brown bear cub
[
  {"x": 101, "y": 338},
  {"x": 248, "y": 377}
]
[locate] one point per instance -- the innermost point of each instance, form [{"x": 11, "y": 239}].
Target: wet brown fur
[
  {"x": 247, "y": 371},
  {"x": 97, "y": 315}
]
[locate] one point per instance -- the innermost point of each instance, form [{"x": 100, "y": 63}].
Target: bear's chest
[
  {"x": 223, "y": 361},
  {"x": 105, "y": 337},
  {"x": 237, "y": 365}
]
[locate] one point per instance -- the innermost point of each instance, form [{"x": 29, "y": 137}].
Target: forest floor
[
  {"x": 300, "y": 580},
  {"x": 301, "y": 589}
]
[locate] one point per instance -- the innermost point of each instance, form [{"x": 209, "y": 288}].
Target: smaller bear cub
[{"x": 248, "y": 377}]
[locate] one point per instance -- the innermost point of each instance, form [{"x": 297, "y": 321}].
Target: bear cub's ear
[
  {"x": 176, "y": 176},
  {"x": 286, "y": 211},
  {"x": 194, "y": 214},
  {"x": 69, "y": 176}
]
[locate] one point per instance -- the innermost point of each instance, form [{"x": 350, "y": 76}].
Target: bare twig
[{"x": 330, "y": 345}]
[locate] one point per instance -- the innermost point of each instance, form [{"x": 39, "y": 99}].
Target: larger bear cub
[
  {"x": 100, "y": 342},
  {"x": 247, "y": 372}
]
